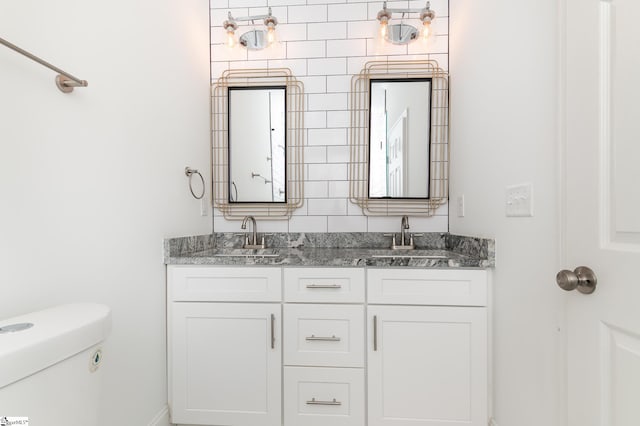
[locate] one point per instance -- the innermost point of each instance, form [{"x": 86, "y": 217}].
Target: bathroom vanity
[{"x": 328, "y": 336}]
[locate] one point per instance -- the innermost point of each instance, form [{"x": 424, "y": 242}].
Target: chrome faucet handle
[{"x": 393, "y": 239}]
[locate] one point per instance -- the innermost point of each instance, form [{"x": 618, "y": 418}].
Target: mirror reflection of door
[
  {"x": 397, "y": 158},
  {"x": 399, "y": 137},
  {"x": 257, "y": 154}
]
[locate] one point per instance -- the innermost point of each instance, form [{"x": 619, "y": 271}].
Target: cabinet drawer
[
  {"x": 331, "y": 285},
  {"x": 427, "y": 287},
  {"x": 323, "y": 396},
  {"x": 324, "y": 335},
  {"x": 224, "y": 284}
]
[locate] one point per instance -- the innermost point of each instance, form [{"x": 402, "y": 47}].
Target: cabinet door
[
  {"x": 225, "y": 364},
  {"x": 427, "y": 366}
]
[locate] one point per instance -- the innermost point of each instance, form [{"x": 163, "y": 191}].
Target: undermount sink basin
[
  {"x": 379, "y": 253},
  {"x": 246, "y": 253}
]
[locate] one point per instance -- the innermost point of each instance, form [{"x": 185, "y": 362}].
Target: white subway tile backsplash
[
  {"x": 324, "y": 43},
  {"x": 306, "y": 49},
  {"x": 339, "y": 189},
  {"x": 286, "y": 2},
  {"x": 327, "y": 172},
  {"x": 347, "y": 12},
  {"x": 243, "y": 65},
  {"x": 363, "y": 29},
  {"x": 346, "y": 48},
  {"x": 315, "y": 154},
  {"x": 324, "y": 1},
  {"x": 327, "y": 137},
  {"x": 221, "y": 52},
  {"x": 339, "y": 83},
  {"x": 340, "y": 119},
  {"x": 315, "y": 84},
  {"x": 338, "y": 154},
  {"x": 219, "y": 15},
  {"x": 327, "y": 31},
  {"x": 379, "y": 47},
  {"x": 327, "y": 207},
  {"x": 347, "y": 223},
  {"x": 328, "y": 101},
  {"x": 356, "y": 64},
  {"x": 275, "y": 51},
  {"x": 249, "y": 3},
  {"x": 298, "y": 67},
  {"x": 315, "y": 119},
  {"x": 436, "y": 44},
  {"x": 308, "y": 224},
  {"x": 328, "y": 66},
  {"x": 280, "y": 13},
  {"x": 316, "y": 189},
  {"x": 307, "y": 14},
  {"x": 291, "y": 32}
]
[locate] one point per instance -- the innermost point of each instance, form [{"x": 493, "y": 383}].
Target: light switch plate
[{"x": 519, "y": 200}]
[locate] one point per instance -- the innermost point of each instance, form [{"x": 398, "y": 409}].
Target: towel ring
[{"x": 190, "y": 172}]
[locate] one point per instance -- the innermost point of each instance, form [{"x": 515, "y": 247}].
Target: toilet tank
[{"x": 50, "y": 365}]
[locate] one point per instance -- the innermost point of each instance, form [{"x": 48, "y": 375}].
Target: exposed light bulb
[
  {"x": 426, "y": 30},
  {"x": 271, "y": 34},
  {"x": 231, "y": 40},
  {"x": 383, "y": 28}
]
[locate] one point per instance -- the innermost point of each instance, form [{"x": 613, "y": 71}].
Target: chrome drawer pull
[
  {"x": 335, "y": 286},
  {"x": 375, "y": 332},
  {"x": 314, "y": 402},
  {"x": 273, "y": 331},
  {"x": 313, "y": 338}
]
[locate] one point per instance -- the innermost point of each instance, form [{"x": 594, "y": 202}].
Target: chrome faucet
[
  {"x": 404, "y": 225},
  {"x": 254, "y": 235},
  {"x": 406, "y": 243}
]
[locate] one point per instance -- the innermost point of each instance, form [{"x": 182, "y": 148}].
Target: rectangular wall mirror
[
  {"x": 257, "y": 126},
  {"x": 399, "y": 138},
  {"x": 257, "y": 144}
]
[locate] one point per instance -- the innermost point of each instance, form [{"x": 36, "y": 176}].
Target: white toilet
[{"x": 50, "y": 365}]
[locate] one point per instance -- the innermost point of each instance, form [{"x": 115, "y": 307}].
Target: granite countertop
[{"x": 433, "y": 250}]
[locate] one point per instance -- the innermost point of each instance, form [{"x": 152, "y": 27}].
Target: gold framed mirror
[
  {"x": 399, "y": 138},
  {"x": 257, "y": 143}
]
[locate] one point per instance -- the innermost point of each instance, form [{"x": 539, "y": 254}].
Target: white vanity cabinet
[
  {"x": 225, "y": 365},
  {"x": 427, "y": 347},
  {"x": 324, "y": 347},
  {"x": 321, "y": 346}
]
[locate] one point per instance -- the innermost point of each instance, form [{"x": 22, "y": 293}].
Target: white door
[
  {"x": 226, "y": 364},
  {"x": 601, "y": 223}
]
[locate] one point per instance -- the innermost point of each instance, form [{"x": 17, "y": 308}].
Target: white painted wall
[
  {"x": 324, "y": 43},
  {"x": 91, "y": 182},
  {"x": 504, "y": 131}
]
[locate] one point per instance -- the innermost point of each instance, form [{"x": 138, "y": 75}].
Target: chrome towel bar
[{"x": 65, "y": 81}]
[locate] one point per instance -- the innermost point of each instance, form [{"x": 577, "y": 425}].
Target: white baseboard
[
  {"x": 162, "y": 418},
  {"x": 493, "y": 422}
]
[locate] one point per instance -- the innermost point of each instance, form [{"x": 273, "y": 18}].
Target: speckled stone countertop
[{"x": 433, "y": 250}]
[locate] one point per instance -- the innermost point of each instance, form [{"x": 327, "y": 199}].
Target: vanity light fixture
[
  {"x": 404, "y": 33},
  {"x": 254, "y": 39}
]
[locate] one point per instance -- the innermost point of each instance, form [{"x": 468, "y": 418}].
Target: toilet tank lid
[{"x": 57, "y": 334}]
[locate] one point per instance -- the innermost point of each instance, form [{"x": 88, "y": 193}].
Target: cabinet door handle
[
  {"x": 375, "y": 332},
  {"x": 332, "y": 402},
  {"x": 273, "y": 331},
  {"x": 313, "y": 338},
  {"x": 334, "y": 286}
]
